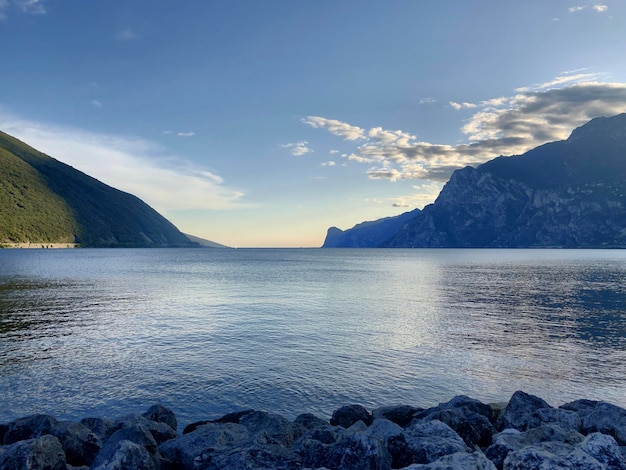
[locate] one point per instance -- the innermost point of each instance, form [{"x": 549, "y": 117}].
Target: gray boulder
[
  {"x": 117, "y": 448},
  {"x": 607, "y": 419},
  {"x": 463, "y": 401},
  {"x": 521, "y": 412},
  {"x": 475, "y": 429},
  {"x": 101, "y": 427},
  {"x": 256, "y": 456},
  {"x": 279, "y": 429},
  {"x": 29, "y": 427},
  {"x": 41, "y": 453},
  {"x": 354, "y": 452},
  {"x": 79, "y": 443},
  {"x": 125, "y": 455},
  {"x": 565, "y": 419},
  {"x": 347, "y": 415},
  {"x": 161, "y": 431},
  {"x": 605, "y": 450},
  {"x": 425, "y": 442},
  {"x": 402, "y": 415},
  {"x": 310, "y": 421},
  {"x": 206, "y": 440},
  {"x": 161, "y": 414},
  {"x": 460, "y": 460},
  {"x": 553, "y": 456},
  {"x": 511, "y": 440}
]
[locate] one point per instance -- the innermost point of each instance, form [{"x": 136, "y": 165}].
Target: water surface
[{"x": 205, "y": 332}]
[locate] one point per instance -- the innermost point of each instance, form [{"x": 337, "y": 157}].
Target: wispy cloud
[
  {"x": 166, "y": 182},
  {"x": 336, "y": 127},
  {"x": 186, "y": 134},
  {"x": 31, "y": 7},
  {"x": 297, "y": 148},
  {"x": 96, "y": 103},
  {"x": 329, "y": 163},
  {"x": 507, "y": 125},
  {"x": 598, "y": 7}
]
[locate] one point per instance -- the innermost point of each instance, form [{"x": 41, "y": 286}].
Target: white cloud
[
  {"x": 140, "y": 167},
  {"x": 297, "y": 148},
  {"x": 336, "y": 127},
  {"x": 575, "y": 9},
  {"x": 31, "y": 7},
  {"x": 600, "y": 8},
  {"x": 499, "y": 126},
  {"x": 465, "y": 105},
  {"x": 185, "y": 134},
  {"x": 329, "y": 163},
  {"x": 96, "y": 103}
]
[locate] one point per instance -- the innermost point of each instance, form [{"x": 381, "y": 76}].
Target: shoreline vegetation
[
  {"x": 464, "y": 433},
  {"x": 42, "y": 245}
]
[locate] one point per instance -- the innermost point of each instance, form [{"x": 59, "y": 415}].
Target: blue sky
[{"x": 263, "y": 122}]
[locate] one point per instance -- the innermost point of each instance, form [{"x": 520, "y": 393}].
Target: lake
[{"x": 92, "y": 332}]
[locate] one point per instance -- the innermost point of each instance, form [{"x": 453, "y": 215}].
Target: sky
[{"x": 262, "y": 123}]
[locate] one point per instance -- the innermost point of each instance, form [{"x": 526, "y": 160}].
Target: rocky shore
[{"x": 525, "y": 433}]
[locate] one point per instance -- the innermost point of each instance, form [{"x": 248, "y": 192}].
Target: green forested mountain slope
[{"x": 44, "y": 200}]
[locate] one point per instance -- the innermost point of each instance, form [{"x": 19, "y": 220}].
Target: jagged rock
[
  {"x": 116, "y": 448},
  {"x": 279, "y": 429},
  {"x": 354, "y": 452},
  {"x": 425, "y": 442},
  {"x": 607, "y": 419},
  {"x": 605, "y": 450},
  {"x": 161, "y": 414},
  {"x": 520, "y": 413},
  {"x": 29, "y": 427},
  {"x": 553, "y": 456},
  {"x": 310, "y": 421},
  {"x": 513, "y": 440},
  {"x": 160, "y": 431},
  {"x": 204, "y": 440},
  {"x": 125, "y": 455},
  {"x": 565, "y": 419},
  {"x": 460, "y": 460},
  {"x": 257, "y": 456},
  {"x": 233, "y": 417},
  {"x": 79, "y": 443},
  {"x": 475, "y": 429},
  {"x": 391, "y": 436},
  {"x": 41, "y": 453},
  {"x": 347, "y": 415},
  {"x": 101, "y": 427},
  {"x": 401, "y": 415}
]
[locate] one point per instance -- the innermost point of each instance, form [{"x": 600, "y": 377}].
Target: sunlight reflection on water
[{"x": 106, "y": 332}]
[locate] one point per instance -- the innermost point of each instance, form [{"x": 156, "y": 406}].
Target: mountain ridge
[
  {"x": 568, "y": 193},
  {"x": 45, "y": 201}
]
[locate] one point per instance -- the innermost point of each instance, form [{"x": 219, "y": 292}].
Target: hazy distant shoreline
[{"x": 39, "y": 245}]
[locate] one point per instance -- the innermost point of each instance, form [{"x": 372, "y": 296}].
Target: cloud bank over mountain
[{"x": 506, "y": 125}]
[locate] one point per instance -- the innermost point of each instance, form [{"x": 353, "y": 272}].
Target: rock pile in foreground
[{"x": 525, "y": 433}]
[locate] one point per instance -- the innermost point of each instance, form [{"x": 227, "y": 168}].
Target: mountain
[
  {"x": 367, "y": 234},
  {"x": 45, "y": 201},
  {"x": 570, "y": 194}
]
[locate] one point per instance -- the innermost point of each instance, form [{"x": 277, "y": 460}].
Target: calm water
[{"x": 206, "y": 332}]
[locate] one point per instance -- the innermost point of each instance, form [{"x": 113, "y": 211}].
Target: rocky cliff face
[
  {"x": 367, "y": 234},
  {"x": 570, "y": 193}
]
